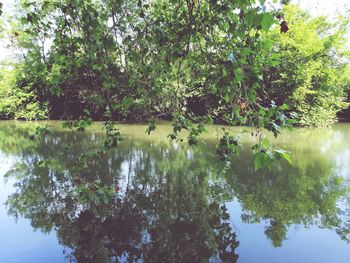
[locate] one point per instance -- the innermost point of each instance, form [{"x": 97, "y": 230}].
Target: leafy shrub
[
  {"x": 18, "y": 103},
  {"x": 312, "y": 74}
]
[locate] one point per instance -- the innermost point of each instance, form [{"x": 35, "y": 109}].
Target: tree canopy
[
  {"x": 312, "y": 72},
  {"x": 194, "y": 62}
]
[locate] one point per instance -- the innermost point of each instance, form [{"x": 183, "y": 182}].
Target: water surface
[{"x": 168, "y": 202}]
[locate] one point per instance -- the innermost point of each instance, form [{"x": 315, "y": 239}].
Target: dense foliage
[
  {"x": 203, "y": 61},
  {"x": 312, "y": 73},
  {"x": 16, "y": 102},
  {"x": 144, "y": 59},
  {"x": 189, "y": 61}
]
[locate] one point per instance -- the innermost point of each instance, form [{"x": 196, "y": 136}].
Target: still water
[{"x": 151, "y": 200}]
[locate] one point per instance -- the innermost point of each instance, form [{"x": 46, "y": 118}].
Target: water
[{"x": 168, "y": 202}]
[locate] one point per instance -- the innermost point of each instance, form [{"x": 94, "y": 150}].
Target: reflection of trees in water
[
  {"x": 170, "y": 202},
  {"x": 164, "y": 214},
  {"x": 307, "y": 193}
]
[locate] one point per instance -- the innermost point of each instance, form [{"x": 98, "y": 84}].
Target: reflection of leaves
[
  {"x": 342, "y": 228},
  {"x": 95, "y": 192},
  {"x": 306, "y": 193},
  {"x": 165, "y": 214},
  {"x": 80, "y": 125},
  {"x": 42, "y": 130},
  {"x": 171, "y": 196},
  {"x": 277, "y": 232}
]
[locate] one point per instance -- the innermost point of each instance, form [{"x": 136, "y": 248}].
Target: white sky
[
  {"x": 324, "y": 7},
  {"x": 316, "y": 7}
]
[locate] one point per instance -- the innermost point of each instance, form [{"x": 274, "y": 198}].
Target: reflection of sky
[
  {"x": 302, "y": 245},
  {"x": 337, "y": 148},
  {"x": 18, "y": 242},
  {"x": 342, "y": 161},
  {"x": 333, "y": 143}
]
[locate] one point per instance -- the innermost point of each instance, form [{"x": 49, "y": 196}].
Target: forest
[
  {"x": 174, "y": 131},
  {"x": 262, "y": 65},
  {"x": 186, "y": 61}
]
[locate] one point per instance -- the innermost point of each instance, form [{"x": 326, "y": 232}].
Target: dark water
[{"x": 154, "y": 201}]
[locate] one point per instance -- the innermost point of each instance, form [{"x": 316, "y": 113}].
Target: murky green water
[{"x": 171, "y": 202}]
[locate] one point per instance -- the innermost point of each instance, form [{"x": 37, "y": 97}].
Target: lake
[{"x": 152, "y": 200}]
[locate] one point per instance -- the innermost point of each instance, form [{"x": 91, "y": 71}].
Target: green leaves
[
  {"x": 137, "y": 62},
  {"x": 80, "y": 125},
  {"x": 309, "y": 73},
  {"x": 228, "y": 146},
  {"x": 113, "y": 135},
  {"x": 151, "y": 126},
  {"x": 265, "y": 156},
  {"x": 42, "y": 130},
  {"x": 238, "y": 74},
  {"x": 263, "y": 159},
  {"x": 263, "y": 20},
  {"x": 267, "y": 21},
  {"x": 283, "y": 154},
  {"x": 95, "y": 192}
]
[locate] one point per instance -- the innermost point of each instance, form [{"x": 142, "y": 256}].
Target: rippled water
[{"x": 168, "y": 202}]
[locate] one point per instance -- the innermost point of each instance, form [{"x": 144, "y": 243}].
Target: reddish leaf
[{"x": 284, "y": 27}]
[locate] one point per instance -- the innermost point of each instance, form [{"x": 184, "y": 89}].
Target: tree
[
  {"x": 311, "y": 71},
  {"x": 140, "y": 60}
]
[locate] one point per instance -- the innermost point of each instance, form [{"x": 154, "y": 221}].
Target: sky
[
  {"x": 316, "y": 7},
  {"x": 324, "y": 7}
]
